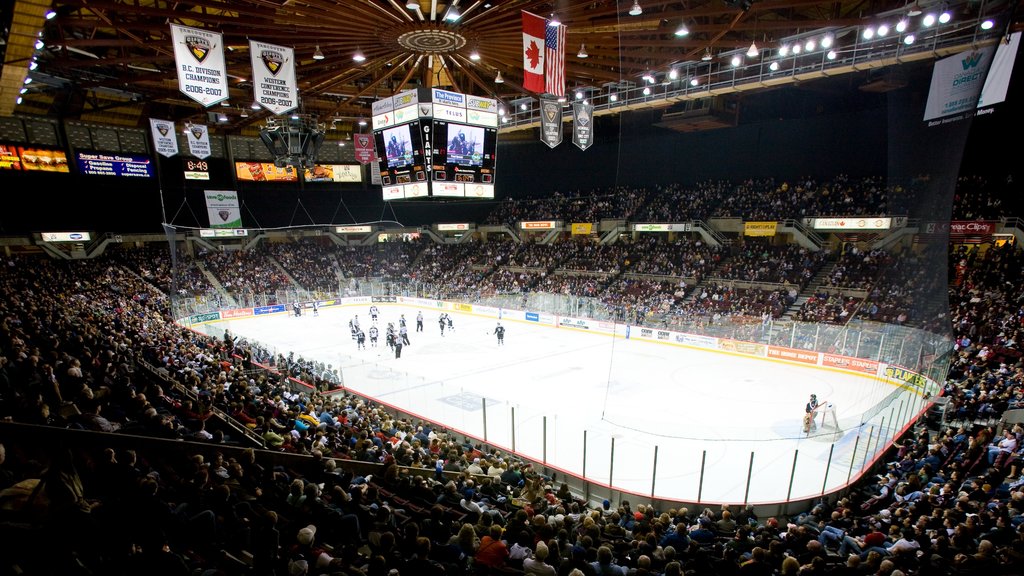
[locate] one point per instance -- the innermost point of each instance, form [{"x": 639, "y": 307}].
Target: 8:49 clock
[{"x": 197, "y": 170}]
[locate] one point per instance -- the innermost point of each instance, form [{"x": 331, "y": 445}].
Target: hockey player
[
  {"x": 404, "y": 333},
  {"x": 297, "y": 309},
  {"x": 401, "y": 321},
  {"x": 442, "y": 323},
  {"x": 451, "y": 325},
  {"x": 373, "y": 336},
  {"x": 373, "y": 313},
  {"x": 499, "y": 331},
  {"x": 316, "y": 308},
  {"x": 389, "y": 336},
  {"x": 355, "y": 321},
  {"x": 352, "y": 328},
  {"x": 360, "y": 339},
  {"x": 419, "y": 321}
]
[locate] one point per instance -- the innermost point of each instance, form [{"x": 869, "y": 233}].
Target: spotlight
[
  {"x": 809, "y": 46},
  {"x": 523, "y": 106},
  {"x": 868, "y": 33},
  {"x": 774, "y": 66},
  {"x": 752, "y": 52},
  {"x": 901, "y": 26},
  {"x": 987, "y": 25},
  {"x": 474, "y": 55},
  {"x": 33, "y": 65},
  {"x": 795, "y": 49},
  {"x": 694, "y": 82},
  {"x": 831, "y": 55},
  {"x": 579, "y": 95},
  {"x": 673, "y": 74},
  {"x": 50, "y": 15},
  {"x": 707, "y": 55},
  {"x": 411, "y": 5},
  {"x": 40, "y": 44},
  {"x": 28, "y": 80},
  {"x": 736, "y": 61},
  {"x": 636, "y": 10},
  {"x": 908, "y": 39},
  {"x": 783, "y": 50},
  {"x": 827, "y": 40},
  {"x": 883, "y": 30},
  {"x": 498, "y": 79},
  {"x": 317, "y": 54},
  {"x": 583, "y": 52},
  {"x": 614, "y": 97},
  {"x": 647, "y": 91},
  {"x": 554, "y": 22},
  {"x": 945, "y": 17},
  {"x": 929, "y": 20},
  {"x": 358, "y": 57},
  {"x": 682, "y": 30},
  {"x": 453, "y": 14},
  {"x": 19, "y": 100}
]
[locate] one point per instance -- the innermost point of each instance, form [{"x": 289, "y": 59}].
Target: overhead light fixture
[
  {"x": 341, "y": 143},
  {"x": 736, "y": 61},
  {"x": 19, "y": 100},
  {"x": 358, "y": 56},
  {"x": 33, "y": 65},
  {"x": 694, "y": 81},
  {"x": 254, "y": 106},
  {"x": 682, "y": 30},
  {"x": 647, "y": 90},
  {"x": 915, "y": 10},
  {"x": 317, "y": 54},
  {"x": 810, "y": 45},
  {"x": 831, "y": 55},
  {"x": 523, "y": 106},
  {"x": 28, "y": 80},
  {"x": 987, "y": 24},
  {"x": 673, "y": 74},
  {"x": 474, "y": 55},
  {"x": 583, "y": 52},
  {"x": 868, "y": 33},
  {"x": 827, "y": 40},
  {"x": 295, "y": 116},
  {"x": 614, "y": 97},
  {"x": 929, "y": 19},
  {"x": 636, "y": 10},
  {"x": 362, "y": 122},
  {"x": 40, "y": 44},
  {"x": 244, "y": 113},
  {"x": 579, "y": 95},
  {"x": 24, "y": 91},
  {"x": 554, "y": 21},
  {"x": 774, "y": 66},
  {"x": 752, "y": 52},
  {"x": 453, "y": 14},
  {"x": 901, "y": 26},
  {"x": 707, "y": 55},
  {"x": 784, "y": 50},
  {"x": 648, "y": 77},
  {"x": 882, "y": 30},
  {"x": 50, "y": 14},
  {"x": 225, "y": 104},
  {"x": 908, "y": 39},
  {"x": 412, "y": 5},
  {"x": 222, "y": 117},
  {"x": 945, "y": 17},
  {"x": 498, "y": 79}
]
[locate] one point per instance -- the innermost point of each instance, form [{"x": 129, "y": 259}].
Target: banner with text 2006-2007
[
  {"x": 199, "y": 58},
  {"x": 273, "y": 77}
]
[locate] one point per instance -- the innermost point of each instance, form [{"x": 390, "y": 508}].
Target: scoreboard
[{"x": 432, "y": 143}]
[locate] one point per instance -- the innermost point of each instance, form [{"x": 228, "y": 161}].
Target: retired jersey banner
[
  {"x": 759, "y": 228},
  {"x": 198, "y": 136},
  {"x": 582, "y": 125},
  {"x": 364, "y": 147},
  {"x": 550, "y": 122},
  {"x": 165, "y": 141},
  {"x": 273, "y": 77},
  {"x": 222, "y": 206},
  {"x": 199, "y": 57}
]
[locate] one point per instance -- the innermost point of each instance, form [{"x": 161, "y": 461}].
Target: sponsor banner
[
  {"x": 222, "y": 232},
  {"x": 43, "y": 159},
  {"x": 447, "y": 98},
  {"x": 452, "y": 227},
  {"x": 848, "y": 363},
  {"x": 759, "y": 228},
  {"x": 906, "y": 376},
  {"x": 606, "y": 326},
  {"x": 793, "y": 354},
  {"x": 479, "y": 118},
  {"x": 268, "y": 309},
  {"x": 451, "y": 113},
  {"x": 532, "y": 317},
  {"x": 358, "y": 300},
  {"x": 382, "y": 106},
  {"x": 199, "y": 58},
  {"x": 236, "y": 313},
  {"x": 9, "y": 159},
  {"x": 208, "y": 317},
  {"x": 222, "y": 207},
  {"x": 363, "y": 144},
  {"x": 331, "y": 302},
  {"x": 646, "y": 333},
  {"x": 482, "y": 104},
  {"x": 582, "y": 228},
  {"x": 189, "y": 175},
  {"x": 653, "y": 227},
  {"x": 538, "y": 225},
  {"x": 353, "y": 229},
  {"x": 697, "y": 340},
  {"x": 480, "y": 191},
  {"x": 405, "y": 98},
  {"x": 383, "y": 121},
  {"x": 663, "y": 334},
  {"x": 66, "y": 236},
  {"x": 582, "y": 125},
  {"x": 851, "y": 223},
  {"x": 997, "y": 81},
  {"x": 550, "y": 122},
  {"x": 273, "y": 77},
  {"x": 547, "y": 318},
  {"x": 264, "y": 172},
  {"x": 971, "y": 228},
  {"x": 396, "y": 192},
  {"x": 741, "y": 347},
  {"x": 462, "y": 307},
  {"x": 165, "y": 141},
  {"x": 198, "y": 137},
  {"x": 485, "y": 310},
  {"x": 384, "y": 299},
  {"x": 450, "y": 189},
  {"x": 567, "y": 322},
  {"x": 406, "y": 114},
  {"x": 956, "y": 83},
  {"x": 131, "y": 165},
  {"x": 333, "y": 173}
]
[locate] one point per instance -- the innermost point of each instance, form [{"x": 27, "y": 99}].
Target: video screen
[
  {"x": 398, "y": 146},
  {"x": 465, "y": 145}
]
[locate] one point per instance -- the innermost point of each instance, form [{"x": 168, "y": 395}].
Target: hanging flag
[
  {"x": 164, "y": 139},
  {"x": 582, "y": 125},
  {"x": 199, "y": 57},
  {"x": 554, "y": 60},
  {"x": 550, "y": 122},
  {"x": 533, "y": 52},
  {"x": 222, "y": 208},
  {"x": 273, "y": 77},
  {"x": 198, "y": 140},
  {"x": 364, "y": 147}
]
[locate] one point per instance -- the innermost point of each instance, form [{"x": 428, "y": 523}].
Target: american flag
[{"x": 554, "y": 60}]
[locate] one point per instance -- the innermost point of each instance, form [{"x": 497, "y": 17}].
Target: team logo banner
[
  {"x": 222, "y": 206},
  {"x": 198, "y": 140},
  {"x": 273, "y": 77},
  {"x": 550, "y": 122},
  {"x": 582, "y": 125},
  {"x": 199, "y": 57},
  {"x": 364, "y": 148},
  {"x": 164, "y": 139}
]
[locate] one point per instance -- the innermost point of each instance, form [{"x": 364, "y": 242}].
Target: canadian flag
[{"x": 533, "y": 52}]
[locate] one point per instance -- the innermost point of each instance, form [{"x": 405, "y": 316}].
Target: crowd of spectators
[{"x": 310, "y": 262}]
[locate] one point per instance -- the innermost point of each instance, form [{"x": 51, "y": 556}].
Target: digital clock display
[{"x": 197, "y": 170}]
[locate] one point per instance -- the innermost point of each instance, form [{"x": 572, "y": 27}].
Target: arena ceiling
[{"x": 111, "y": 60}]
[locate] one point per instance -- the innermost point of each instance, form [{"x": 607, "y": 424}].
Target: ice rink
[{"x": 580, "y": 401}]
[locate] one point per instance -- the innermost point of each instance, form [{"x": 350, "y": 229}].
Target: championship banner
[
  {"x": 957, "y": 82},
  {"x": 550, "y": 122},
  {"x": 198, "y": 136},
  {"x": 165, "y": 141},
  {"x": 759, "y": 228},
  {"x": 582, "y": 229},
  {"x": 199, "y": 58},
  {"x": 364, "y": 147},
  {"x": 582, "y": 125},
  {"x": 222, "y": 207},
  {"x": 273, "y": 76}
]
